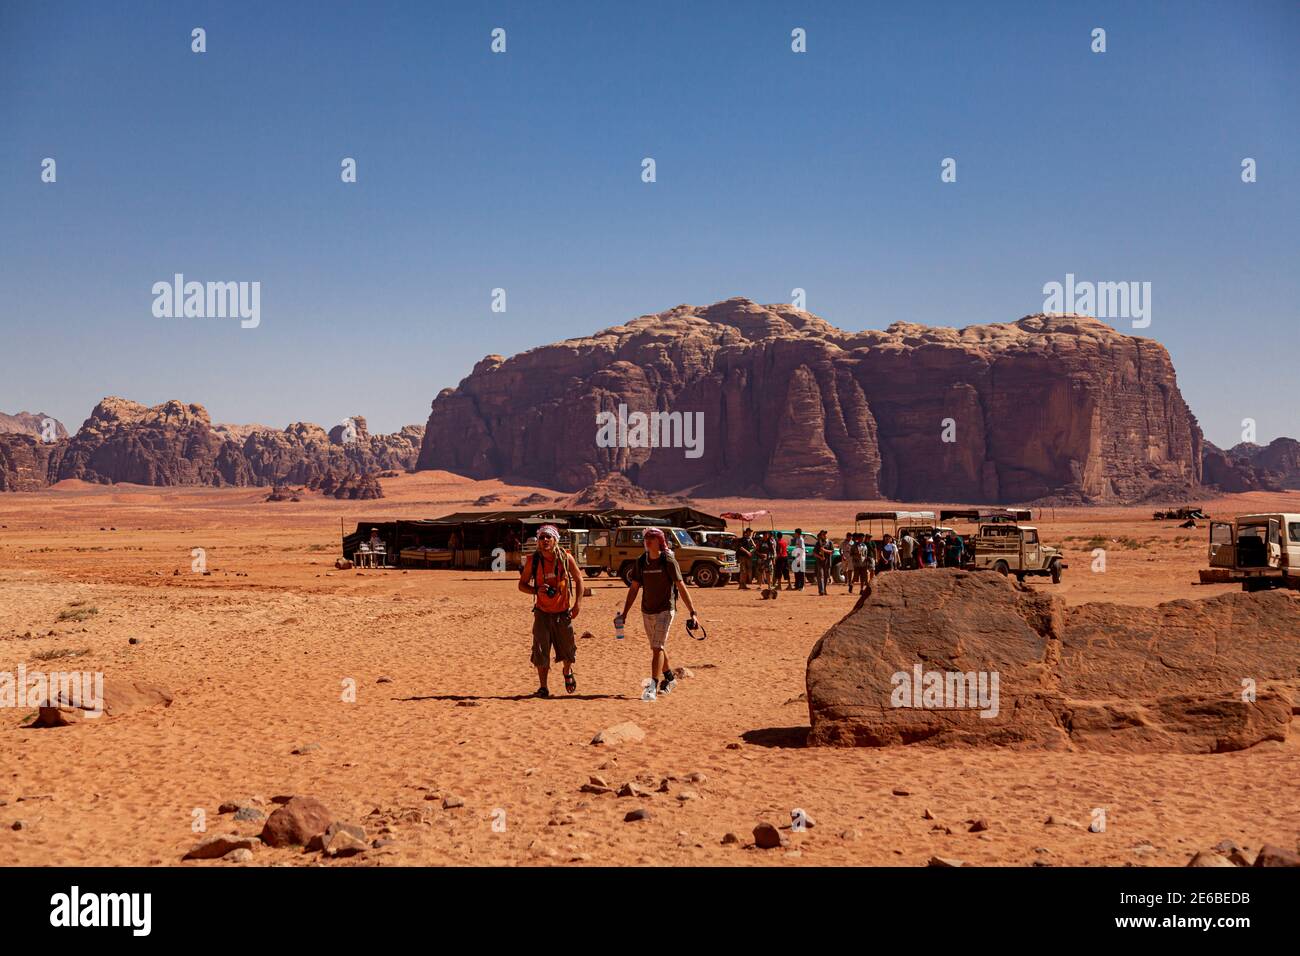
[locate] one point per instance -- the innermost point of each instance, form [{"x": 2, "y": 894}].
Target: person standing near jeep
[
  {"x": 745, "y": 551},
  {"x": 554, "y": 579},
  {"x": 659, "y": 579}
]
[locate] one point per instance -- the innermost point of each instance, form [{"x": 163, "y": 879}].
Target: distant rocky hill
[
  {"x": 1061, "y": 407},
  {"x": 1250, "y": 467},
  {"x": 177, "y": 444},
  {"x": 28, "y": 423}
]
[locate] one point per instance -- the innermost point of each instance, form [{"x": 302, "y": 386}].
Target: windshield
[{"x": 683, "y": 539}]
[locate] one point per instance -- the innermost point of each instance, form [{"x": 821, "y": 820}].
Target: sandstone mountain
[
  {"x": 177, "y": 444},
  {"x": 1098, "y": 677},
  {"x": 1061, "y": 407}
]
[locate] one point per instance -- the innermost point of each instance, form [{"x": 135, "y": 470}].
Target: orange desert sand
[{"x": 257, "y": 652}]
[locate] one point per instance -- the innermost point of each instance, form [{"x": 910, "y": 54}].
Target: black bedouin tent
[{"x": 466, "y": 539}]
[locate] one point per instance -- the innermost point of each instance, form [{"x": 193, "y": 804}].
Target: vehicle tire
[
  {"x": 1002, "y": 568},
  {"x": 625, "y": 572},
  {"x": 1020, "y": 576},
  {"x": 704, "y": 575},
  {"x": 1256, "y": 584},
  {"x": 723, "y": 580},
  {"x": 1055, "y": 569}
]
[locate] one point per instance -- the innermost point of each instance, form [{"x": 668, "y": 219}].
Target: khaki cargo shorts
[
  {"x": 553, "y": 630},
  {"x": 657, "y": 626}
]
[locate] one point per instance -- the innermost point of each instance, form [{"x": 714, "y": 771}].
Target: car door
[
  {"x": 1033, "y": 559},
  {"x": 1274, "y": 543},
  {"x": 1222, "y": 550}
]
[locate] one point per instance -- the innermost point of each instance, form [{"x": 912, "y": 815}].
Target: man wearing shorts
[
  {"x": 554, "y": 579},
  {"x": 657, "y": 576}
]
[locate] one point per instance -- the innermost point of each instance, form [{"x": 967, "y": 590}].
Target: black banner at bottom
[{"x": 341, "y": 903}]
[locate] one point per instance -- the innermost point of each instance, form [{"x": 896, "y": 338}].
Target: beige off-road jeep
[
  {"x": 1013, "y": 548},
  {"x": 615, "y": 551}
]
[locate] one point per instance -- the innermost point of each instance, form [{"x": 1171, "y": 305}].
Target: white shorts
[{"x": 657, "y": 626}]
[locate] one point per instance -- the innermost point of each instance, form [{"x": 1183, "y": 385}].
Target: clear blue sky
[{"x": 522, "y": 171}]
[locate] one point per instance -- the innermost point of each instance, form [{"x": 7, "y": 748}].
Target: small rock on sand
[
  {"x": 217, "y": 846},
  {"x": 1055, "y": 821},
  {"x": 1270, "y": 855},
  {"x": 639, "y": 814},
  {"x": 619, "y": 733},
  {"x": 768, "y": 837},
  {"x": 296, "y": 822},
  {"x": 943, "y": 861},
  {"x": 451, "y": 801},
  {"x": 1209, "y": 858}
]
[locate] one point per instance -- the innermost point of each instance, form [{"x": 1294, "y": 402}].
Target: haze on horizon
[{"x": 522, "y": 171}]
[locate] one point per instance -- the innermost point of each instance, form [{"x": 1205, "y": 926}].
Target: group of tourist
[{"x": 768, "y": 560}]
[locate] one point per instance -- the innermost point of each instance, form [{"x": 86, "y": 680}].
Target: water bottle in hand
[{"x": 618, "y": 626}]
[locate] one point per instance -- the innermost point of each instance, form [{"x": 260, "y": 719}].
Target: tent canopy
[
  {"x": 478, "y": 533},
  {"x": 987, "y": 514},
  {"x": 895, "y": 516}
]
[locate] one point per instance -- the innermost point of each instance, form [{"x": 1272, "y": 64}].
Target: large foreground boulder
[{"x": 953, "y": 657}]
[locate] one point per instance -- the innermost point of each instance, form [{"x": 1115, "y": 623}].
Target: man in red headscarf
[{"x": 554, "y": 579}]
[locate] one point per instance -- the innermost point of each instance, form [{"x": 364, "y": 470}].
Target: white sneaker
[{"x": 648, "y": 692}]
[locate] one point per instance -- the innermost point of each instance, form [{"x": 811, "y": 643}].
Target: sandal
[{"x": 570, "y": 682}]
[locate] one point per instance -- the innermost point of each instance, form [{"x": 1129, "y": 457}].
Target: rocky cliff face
[
  {"x": 1049, "y": 406},
  {"x": 27, "y": 459},
  {"x": 177, "y": 444},
  {"x": 27, "y": 463}
]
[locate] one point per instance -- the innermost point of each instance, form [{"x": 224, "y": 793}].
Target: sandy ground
[{"x": 258, "y": 652}]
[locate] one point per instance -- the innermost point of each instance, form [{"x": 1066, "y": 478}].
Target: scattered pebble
[{"x": 768, "y": 837}]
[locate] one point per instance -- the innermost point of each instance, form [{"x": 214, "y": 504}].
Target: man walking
[
  {"x": 554, "y": 579},
  {"x": 658, "y": 577}
]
